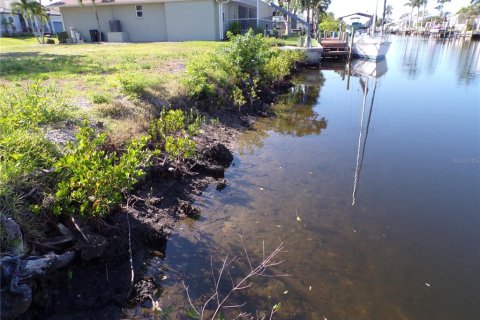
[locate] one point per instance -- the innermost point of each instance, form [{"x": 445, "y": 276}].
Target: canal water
[{"x": 371, "y": 181}]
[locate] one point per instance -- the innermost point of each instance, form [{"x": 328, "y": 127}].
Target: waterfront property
[
  {"x": 372, "y": 182},
  {"x": 161, "y": 20}
]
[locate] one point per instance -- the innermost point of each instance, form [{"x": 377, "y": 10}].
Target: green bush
[
  {"x": 281, "y": 63},
  {"x": 31, "y": 106},
  {"x": 235, "y": 28},
  {"x": 25, "y": 160},
  {"x": 99, "y": 98},
  {"x": 26, "y": 156},
  {"x": 50, "y": 41},
  {"x": 94, "y": 180},
  {"x": 239, "y": 70},
  {"x": 133, "y": 84},
  {"x": 62, "y": 37},
  {"x": 173, "y": 131}
]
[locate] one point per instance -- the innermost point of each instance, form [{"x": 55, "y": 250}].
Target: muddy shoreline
[{"x": 98, "y": 283}]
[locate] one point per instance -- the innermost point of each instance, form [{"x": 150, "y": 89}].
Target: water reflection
[
  {"x": 415, "y": 220},
  {"x": 295, "y": 115},
  {"x": 462, "y": 54},
  {"x": 367, "y": 70}
]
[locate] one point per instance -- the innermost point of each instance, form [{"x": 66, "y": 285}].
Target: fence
[{"x": 253, "y": 23}]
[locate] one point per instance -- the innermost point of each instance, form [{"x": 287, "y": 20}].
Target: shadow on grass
[{"x": 30, "y": 64}]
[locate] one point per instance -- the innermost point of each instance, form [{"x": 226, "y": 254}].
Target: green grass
[
  {"x": 7, "y": 43},
  {"x": 84, "y": 72},
  {"x": 286, "y": 41}
]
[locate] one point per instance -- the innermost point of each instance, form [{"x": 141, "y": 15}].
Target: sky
[{"x": 345, "y": 7}]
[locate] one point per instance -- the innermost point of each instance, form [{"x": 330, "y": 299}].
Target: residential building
[
  {"x": 11, "y": 23},
  {"x": 161, "y": 20}
]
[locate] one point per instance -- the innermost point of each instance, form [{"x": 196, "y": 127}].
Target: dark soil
[{"x": 97, "y": 285}]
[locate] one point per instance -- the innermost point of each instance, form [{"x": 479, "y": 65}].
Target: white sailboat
[
  {"x": 367, "y": 45},
  {"x": 370, "y": 47}
]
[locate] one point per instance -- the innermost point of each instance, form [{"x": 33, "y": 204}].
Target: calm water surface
[{"x": 389, "y": 205}]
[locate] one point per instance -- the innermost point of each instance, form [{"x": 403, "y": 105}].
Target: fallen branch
[{"x": 221, "y": 301}]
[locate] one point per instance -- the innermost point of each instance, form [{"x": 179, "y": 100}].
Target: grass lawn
[
  {"x": 99, "y": 80},
  {"x": 7, "y": 43}
]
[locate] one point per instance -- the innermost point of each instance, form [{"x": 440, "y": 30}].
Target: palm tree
[
  {"x": 412, "y": 4},
  {"x": 440, "y": 5},
  {"x": 424, "y": 3},
  {"x": 40, "y": 14},
  {"x": 470, "y": 13},
  {"x": 24, "y": 7}
]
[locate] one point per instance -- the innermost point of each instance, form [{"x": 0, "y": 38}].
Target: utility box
[
  {"x": 117, "y": 37},
  {"x": 115, "y": 26}
]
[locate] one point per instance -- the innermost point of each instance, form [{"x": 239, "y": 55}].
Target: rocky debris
[
  {"x": 221, "y": 184},
  {"x": 17, "y": 274},
  {"x": 12, "y": 237},
  {"x": 186, "y": 209},
  {"x": 218, "y": 154}
]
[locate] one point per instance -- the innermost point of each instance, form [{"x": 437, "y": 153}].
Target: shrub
[
  {"x": 26, "y": 156},
  {"x": 62, "y": 37},
  {"x": 235, "y": 28},
  {"x": 50, "y": 41},
  {"x": 99, "y": 98},
  {"x": 94, "y": 180},
  {"x": 25, "y": 160},
  {"x": 30, "y": 107},
  {"x": 114, "y": 110},
  {"x": 133, "y": 84},
  {"x": 174, "y": 130},
  {"x": 281, "y": 63},
  {"x": 238, "y": 70}
]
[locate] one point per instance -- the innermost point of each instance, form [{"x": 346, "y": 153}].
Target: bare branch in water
[{"x": 220, "y": 300}]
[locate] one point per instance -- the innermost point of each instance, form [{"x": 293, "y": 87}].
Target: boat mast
[
  {"x": 362, "y": 147},
  {"x": 374, "y": 22},
  {"x": 383, "y": 16},
  {"x": 357, "y": 166}
]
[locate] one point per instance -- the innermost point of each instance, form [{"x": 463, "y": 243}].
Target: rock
[
  {"x": 13, "y": 236},
  {"x": 219, "y": 154},
  {"x": 221, "y": 184},
  {"x": 15, "y": 275}
]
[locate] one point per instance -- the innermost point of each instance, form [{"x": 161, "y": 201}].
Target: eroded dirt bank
[{"x": 98, "y": 284}]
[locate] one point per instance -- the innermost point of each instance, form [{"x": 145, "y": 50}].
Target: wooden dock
[{"x": 334, "y": 48}]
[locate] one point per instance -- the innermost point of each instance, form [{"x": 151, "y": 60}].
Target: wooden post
[{"x": 351, "y": 44}]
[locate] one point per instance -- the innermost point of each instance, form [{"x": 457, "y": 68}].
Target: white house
[
  {"x": 56, "y": 20},
  {"x": 161, "y": 20}
]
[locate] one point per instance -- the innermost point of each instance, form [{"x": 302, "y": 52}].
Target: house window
[
  {"x": 10, "y": 20},
  {"x": 139, "y": 11}
]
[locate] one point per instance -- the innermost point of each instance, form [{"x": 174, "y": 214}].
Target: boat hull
[{"x": 372, "y": 50}]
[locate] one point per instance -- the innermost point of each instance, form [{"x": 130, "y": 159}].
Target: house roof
[
  {"x": 357, "y": 14},
  {"x": 76, "y": 3}
]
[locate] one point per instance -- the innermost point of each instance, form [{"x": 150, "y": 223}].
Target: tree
[
  {"x": 470, "y": 13},
  {"x": 329, "y": 23},
  {"x": 316, "y": 8},
  {"x": 94, "y": 7},
  {"x": 24, "y": 8},
  {"x": 31, "y": 11},
  {"x": 40, "y": 15},
  {"x": 441, "y": 4},
  {"x": 413, "y": 4},
  {"x": 424, "y": 3}
]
